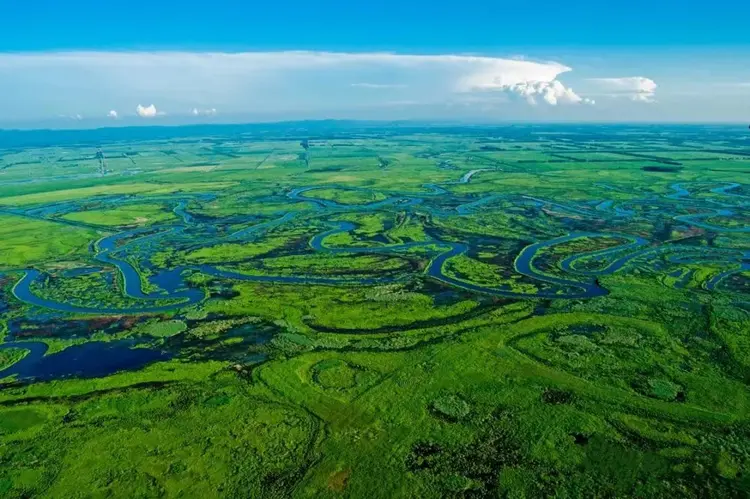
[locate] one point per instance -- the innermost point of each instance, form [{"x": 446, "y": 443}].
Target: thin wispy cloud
[
  {"x": 377, "y": 86},
  {"x": 733, "y": 84},
  {"x": 203, "y": 112},
  {"x": 635, "y": 88}
]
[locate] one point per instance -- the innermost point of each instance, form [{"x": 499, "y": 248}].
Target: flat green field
[
  {"x": 525, "y": 311},
  {"x": 129, "y": 215}
]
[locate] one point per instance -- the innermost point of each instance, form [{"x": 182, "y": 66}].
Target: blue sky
[{"x": 86, "y": 63}]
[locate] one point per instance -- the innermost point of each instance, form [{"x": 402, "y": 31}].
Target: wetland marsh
[{"x": 326, "y": 310}]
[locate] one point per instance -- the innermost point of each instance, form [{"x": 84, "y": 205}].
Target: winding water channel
[{"x": 174, "y": 292}]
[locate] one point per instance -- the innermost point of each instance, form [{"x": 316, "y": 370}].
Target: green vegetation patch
[
  {"x": 335, "y": 375},
  {"x": 142, "y": 214},
  {"x": 450, "y": 407},
  {"x": 17, "y": 420},
  {"x": 164, "y": 329},
  {"x": 9, "y": 356},
  {"x": 346, "y": 196}
]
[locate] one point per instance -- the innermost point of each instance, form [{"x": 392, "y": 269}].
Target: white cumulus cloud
[
  {"x": 636, "y": 88},
  {"x": 146, "y": 112},
  {"x": 552, "y": 92},
  {"x": 528, "y": 79},
  {"x": 112, "y": 114}
]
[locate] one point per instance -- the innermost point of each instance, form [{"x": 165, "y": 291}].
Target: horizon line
[{"x": 419, "y": 122}]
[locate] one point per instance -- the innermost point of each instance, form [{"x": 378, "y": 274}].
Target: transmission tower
[{"x": 102, "y": 161}]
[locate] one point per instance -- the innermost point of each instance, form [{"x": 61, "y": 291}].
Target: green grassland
[
  {"x": 131, "y": 215},
  {"x": 37, "y": 242},
  {"x": 527, "y": 311},
  {"x": 346, "y": 197}
]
